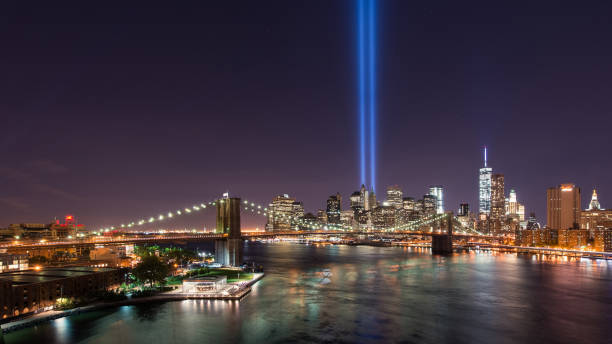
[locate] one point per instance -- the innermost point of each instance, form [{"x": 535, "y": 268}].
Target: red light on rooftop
[{"x": 69, "y": 217}]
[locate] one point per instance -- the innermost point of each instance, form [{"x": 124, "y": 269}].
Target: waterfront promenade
[{"x": 243, "y": 290}]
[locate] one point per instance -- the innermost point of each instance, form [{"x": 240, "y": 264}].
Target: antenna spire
[{"x": 485, "y": 156}]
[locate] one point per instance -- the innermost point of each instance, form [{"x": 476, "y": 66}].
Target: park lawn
[{"x": 232, "y": 276}]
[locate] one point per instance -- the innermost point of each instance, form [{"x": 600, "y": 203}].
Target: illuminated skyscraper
[
  {"x": 484, "y": 183},
  {"x": 364, "y": 197},
  {"x": 383, "y": 217},
  {"x": 321, "y": 216},
  {"x": 594, "y": 205},
  {"x": 563, "y": 207},
  {"x": 438, "y": 192},
  {"x": 372, "y": 203},
  {"x": 334, "y": 208},
  {"x": 408, "y": 203},
  {"x": 355, "y": 200},
  {"x": 498, "y": 199},
  {"x": 514, "y": 209},
  {"x": 284, "y": 211},
  {"x": 394, "y": 196},
  {"x": 429, "y": 205}
]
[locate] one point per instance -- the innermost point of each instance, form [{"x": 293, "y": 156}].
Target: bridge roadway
[{"x": 168, "y": 238}]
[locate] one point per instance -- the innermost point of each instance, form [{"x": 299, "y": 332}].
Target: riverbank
[{"x": 39, "y": 318}]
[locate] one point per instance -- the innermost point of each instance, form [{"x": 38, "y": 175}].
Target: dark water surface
[{"x": 373, "y": 294}]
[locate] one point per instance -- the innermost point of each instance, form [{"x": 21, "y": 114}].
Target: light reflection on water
[{"x": 372, "y": 294}]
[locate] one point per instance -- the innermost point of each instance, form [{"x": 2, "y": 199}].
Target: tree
[
  {"x": 151, "y": 269},
  {"x": 143, "y": 251},
  {"x": 179, "y": 256}
]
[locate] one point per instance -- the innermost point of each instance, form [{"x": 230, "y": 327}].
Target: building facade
[
  {"x": 394, "y": 196},
  {"x": 563, "y": 207},
  {"x": 25, "y": 292},
  {"x": 283, "y": 213},
  {"x": 334, "y": 208},
  {"x": 438, "y": 192},
  {"x": 498, "y": 198}
]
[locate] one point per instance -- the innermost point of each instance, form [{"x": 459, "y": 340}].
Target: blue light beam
[
  {"x": 362, "y": 92},
  {"x": 372, "y": 77},
  {"x": 366, "y": 55}
]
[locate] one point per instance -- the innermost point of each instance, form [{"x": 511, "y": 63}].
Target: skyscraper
[
  {"x": 563, "y": 207},
  {"x": 364, "y": 197},
  {"x": 464, "y": 209},
  {"x": 429, "y": 205},
  {"x": 394, "y": 196},
  {"x": 498, "y": 199},
  {"x": 484, "y": 183},
  {"x": 438, "y": 192},
  {"x": 334, "y": 208},
  {"x": 383, "y": 217},
  {"x": 594, "y": 202},
  {"x": 283, "y": 213},
  {"x": 372, "y": 203},
  {"x": 355, "y": 200},
  {"x": 514, "y": 209}
]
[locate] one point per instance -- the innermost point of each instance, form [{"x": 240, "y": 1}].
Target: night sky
[{"x": 117, "y": 113}]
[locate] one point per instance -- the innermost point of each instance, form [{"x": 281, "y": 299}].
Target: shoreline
[{"x": 43, "y": 317}]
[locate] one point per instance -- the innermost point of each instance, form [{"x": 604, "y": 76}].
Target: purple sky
[{"x": 115, "y": 113}]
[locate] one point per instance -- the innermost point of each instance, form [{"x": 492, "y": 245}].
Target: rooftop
[
  {"x": 217, "y": 278},
  {"x": 49, "y": 274}
]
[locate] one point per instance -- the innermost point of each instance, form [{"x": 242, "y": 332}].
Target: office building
[
  {"x": 346, "y": 217},
  {"x": 372, "y": 203},
  {"x": 364, "y": 197},
  {"x": 594, "y": 204},
  {"x": 282, "y": 213},
  {"x": 394, "y": 196},
  {"x": 408, "y": 203},
  {"x": 383, "y": 217},
  {"x": 321, "y": 216},
  {"x": 355, "y": 200},
  {"x": 439, "y": 193},
  {"x": 533, "y": 223},
  {"x": 596, "y": 219},
  {"x": 334, "y": 208},
  {"x": 563, "y": 207},
  {"x": 464, "y": 209},
  {"x": 514, "y": 210},
  {"x": 498, "y": 198},
  {"x": 430, "y": 203},
  {"x": 484, "y": 187}
]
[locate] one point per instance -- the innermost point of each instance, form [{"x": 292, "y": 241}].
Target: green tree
[
  {"x": 143, "y": 251},
  {"x": 179, "y": 256},
  {"x": 151, "y": 269}
]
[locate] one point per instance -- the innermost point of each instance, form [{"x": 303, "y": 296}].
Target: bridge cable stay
[{"x": 258, "y": 209}]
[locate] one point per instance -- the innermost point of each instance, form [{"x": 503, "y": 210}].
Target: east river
[{"x": 371, "y": 294}]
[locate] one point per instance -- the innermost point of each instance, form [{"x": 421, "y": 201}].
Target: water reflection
[
  {"x": 147, "y": 311},
  {"x": 373, "y": 294}
]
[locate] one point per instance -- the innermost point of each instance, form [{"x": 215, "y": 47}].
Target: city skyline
[
  {"x": 149, "y": 125},
  {"x": 305, "y": 172}
]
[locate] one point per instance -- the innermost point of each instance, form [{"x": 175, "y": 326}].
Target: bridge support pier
[
  {"x": 443, "y": 243},
  {"x": 228, "y": 251}
]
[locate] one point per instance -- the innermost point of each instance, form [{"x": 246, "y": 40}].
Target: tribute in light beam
[
  {"x": 366, "y": 46},
  {"x": 361, "y": 71},
  {"x": 372, "y": 76}
]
